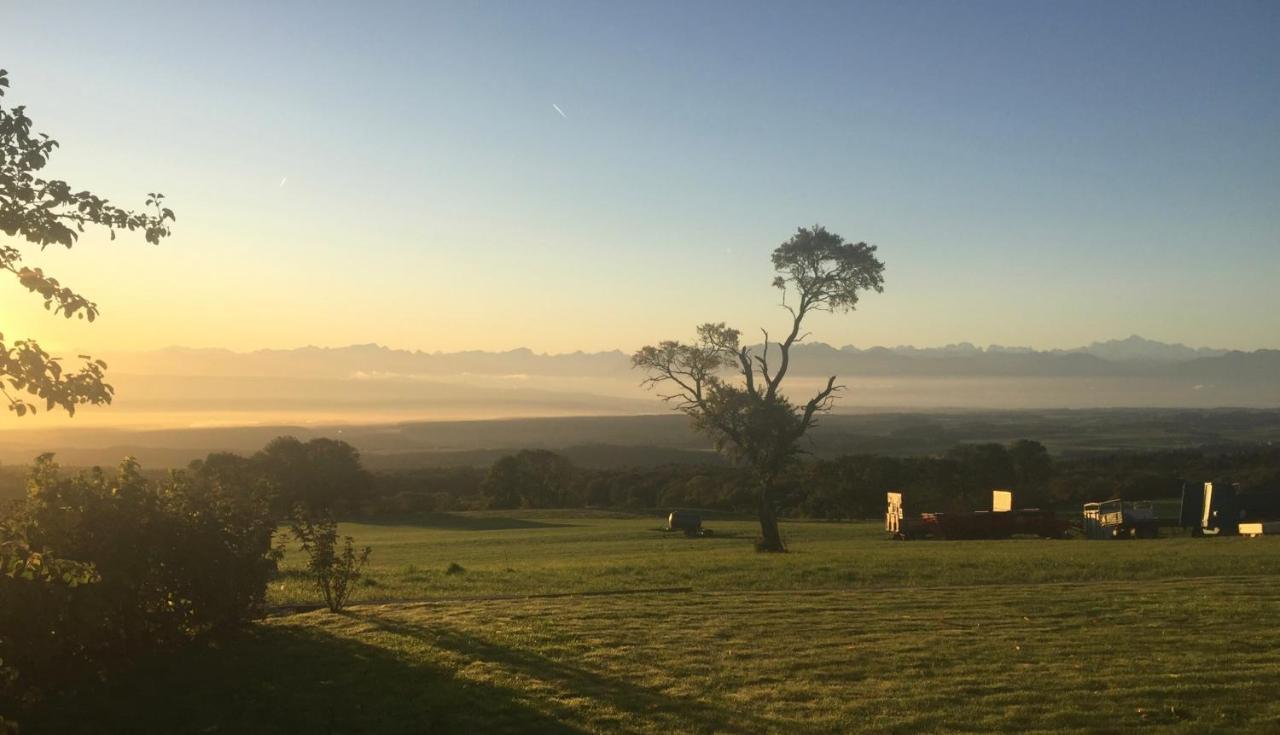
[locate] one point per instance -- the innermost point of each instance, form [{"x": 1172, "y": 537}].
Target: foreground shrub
[
  {"x": 24, "y": 571},
  {"x": 334, "y": 572},
  {"x": 165, "y": 562}
]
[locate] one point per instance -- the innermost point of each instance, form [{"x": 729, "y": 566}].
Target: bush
[
  {"x": 23, "y": 574},
  {"x": 333, "y": 572},
  {"x": 166, "y": 561}
]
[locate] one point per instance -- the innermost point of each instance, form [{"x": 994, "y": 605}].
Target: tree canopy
[
  {"x": 320, "y": 473},
  {"x": 530, "y": 478},
  {"x": 44, "y": 212}
]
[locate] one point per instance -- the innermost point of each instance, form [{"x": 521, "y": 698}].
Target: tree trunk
[{"x": 770, "y": 538}]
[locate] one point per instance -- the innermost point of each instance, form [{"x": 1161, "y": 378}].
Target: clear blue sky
[{"x": 1034, "y": 173}]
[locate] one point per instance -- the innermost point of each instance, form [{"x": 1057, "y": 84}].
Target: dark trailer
[
  {"x": 1220, "y": 509},
  {"x": 689, "y": 523}
]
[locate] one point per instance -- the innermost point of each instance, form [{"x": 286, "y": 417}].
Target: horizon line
[{"x": 961, "y": 345}]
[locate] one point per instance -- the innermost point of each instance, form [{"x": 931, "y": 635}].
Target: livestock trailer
[{"x": 1120, "y": 519}]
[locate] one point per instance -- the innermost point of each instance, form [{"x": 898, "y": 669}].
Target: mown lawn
[{"x": 849, "y": 633}]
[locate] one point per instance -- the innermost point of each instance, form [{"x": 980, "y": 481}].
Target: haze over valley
[
  {"x": 180, "y": 387},
  {"x": 411, "y": 408}
]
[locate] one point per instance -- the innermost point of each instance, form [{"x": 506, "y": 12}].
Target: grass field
[
  {"x": 848, "y": 633},
  {"x": 565, "y": 551}
]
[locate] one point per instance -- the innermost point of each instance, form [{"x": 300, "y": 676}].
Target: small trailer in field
[
  {"x": 689, "y": 523},
  {"x": 1120, "y": 519},
  {"x": 1001, "y": 522}
]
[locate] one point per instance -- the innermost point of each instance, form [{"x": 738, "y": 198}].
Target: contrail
[
  {"x": 557, "y": 109},
  {"x": 283, "y": 180}
]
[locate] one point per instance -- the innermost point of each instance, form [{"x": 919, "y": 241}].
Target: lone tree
[
  {"x": 47, "y": 212},
  {"x": 746, "y": 414}
]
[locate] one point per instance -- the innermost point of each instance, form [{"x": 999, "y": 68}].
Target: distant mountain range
[
  {"x": 1134, "y": 347},
  {"x": 1130, "y": 357},
  {"x": 1129, "y": 349},
  {"x": 178, "y": 386},
  {"x": 1114, "y": 359}
]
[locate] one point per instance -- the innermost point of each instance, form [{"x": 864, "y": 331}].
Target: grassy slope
[{"x": 844, "y": 634}]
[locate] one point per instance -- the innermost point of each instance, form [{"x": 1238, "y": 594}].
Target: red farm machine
[{"x": 1001, "y": 522}]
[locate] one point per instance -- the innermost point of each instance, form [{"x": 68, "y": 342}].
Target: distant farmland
[{"x": 612, "y": 441}]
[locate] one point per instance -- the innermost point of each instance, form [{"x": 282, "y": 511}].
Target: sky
[{"x": 590, "y": 176}]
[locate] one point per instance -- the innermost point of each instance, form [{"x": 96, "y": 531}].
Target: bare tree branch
[
  {"x": 821, "y": 403},
  {"x": 763, "y": 359},
  {"x": 744, "y": 361}
]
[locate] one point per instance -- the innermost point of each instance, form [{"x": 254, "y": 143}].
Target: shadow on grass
[
  {"x": 452, "y": 522},
  {"x": 660, "y": 711},
  {"x": 289, "y": 680},
  {"x": 712, "y": 535}
]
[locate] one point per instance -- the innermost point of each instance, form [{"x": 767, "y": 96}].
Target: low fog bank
[
  {"x": 368, "y": 384},
  {"x": 648, "y": 440}
]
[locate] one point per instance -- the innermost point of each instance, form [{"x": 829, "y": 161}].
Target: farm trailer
[
  {"x": 687, "y": 522},
  {"x": 1120, "y": 519},
  {"x": 1001, "y": 522}
]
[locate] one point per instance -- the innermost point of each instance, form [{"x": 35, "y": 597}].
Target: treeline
[
  {"x": 331, "y": 474},
  {"x": 846, "y": 487}
]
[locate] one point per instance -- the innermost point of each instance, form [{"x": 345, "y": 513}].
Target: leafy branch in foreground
[{"x": 46, "y": 212}]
